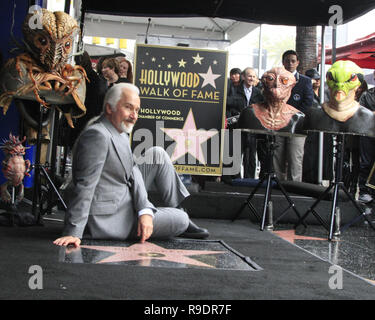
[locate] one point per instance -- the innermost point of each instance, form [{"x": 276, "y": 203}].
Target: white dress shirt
[{"x": 248, "y": 92}]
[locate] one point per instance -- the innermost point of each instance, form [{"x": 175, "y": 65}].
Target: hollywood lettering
[
  {"x": 174, "y": 84},
  {"x": 165, "y": 78}
]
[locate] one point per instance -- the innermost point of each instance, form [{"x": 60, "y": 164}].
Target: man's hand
[
  {"x": 65, "y": 241},
  {"x": 145, "y": 227}
]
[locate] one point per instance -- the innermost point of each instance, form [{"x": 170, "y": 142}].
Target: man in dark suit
[
  {"x": 302, "y": 93},
  {"x": 289, "y": 154},
  {"x": 246, "y": 94}
]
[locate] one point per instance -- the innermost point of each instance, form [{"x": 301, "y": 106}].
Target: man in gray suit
[{"x": 107, "y": 197}]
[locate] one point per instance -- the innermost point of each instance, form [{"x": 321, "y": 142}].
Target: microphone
[{"x": 148, "y": 26}]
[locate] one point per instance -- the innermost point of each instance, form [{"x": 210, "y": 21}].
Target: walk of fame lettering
[
  {"x": 179, "y": 93},
  {"x": 205, "y": 95},
  {"x": 153, "y": 83},
  {"x": 155, "y": 92}
]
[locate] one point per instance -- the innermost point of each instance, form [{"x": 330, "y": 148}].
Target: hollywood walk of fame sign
[
  {"x": 174, "y": 253},
  {"x": 183, "y": 94}
]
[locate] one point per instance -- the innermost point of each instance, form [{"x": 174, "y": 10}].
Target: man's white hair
[
  {"x": 114, "y": 94},
  {"x": 249, "y": 69}
]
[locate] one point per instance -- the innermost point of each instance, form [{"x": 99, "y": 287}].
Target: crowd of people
[
  {"x": 296, "y": 157},
  {"x": 103, "y": 159},
  {"x": 109, "y": 71}
]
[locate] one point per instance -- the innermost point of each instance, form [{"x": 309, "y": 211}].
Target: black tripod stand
[
  {"x": 271, "y": 177},
  {"x": 336, "y": 184},
  {"x": 40, "y": 170}
]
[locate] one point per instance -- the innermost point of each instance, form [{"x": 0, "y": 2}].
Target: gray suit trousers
[
  {"x": 159, "y": 175},
  {"x": 288, "y": 158}
]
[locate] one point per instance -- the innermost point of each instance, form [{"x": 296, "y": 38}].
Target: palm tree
[{"x": 306, "y": 48}]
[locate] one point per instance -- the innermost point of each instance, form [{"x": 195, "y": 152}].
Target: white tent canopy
[
  {"x": 197, "y": 28},
  {"x": 97, "y": 50}
]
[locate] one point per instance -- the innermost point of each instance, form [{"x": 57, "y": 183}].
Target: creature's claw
[
  {"x": 5, "y": 100},
  {"x": 79, "y": 103},
  {"x": 68, "y": 117}
]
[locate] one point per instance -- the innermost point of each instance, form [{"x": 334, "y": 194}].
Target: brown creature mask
[
  {"x": 51, "y": 45},
  {"x": 42, "y": 73},
  {"x": 275, "y": 113},
  {"x": 278, "y": 84}
]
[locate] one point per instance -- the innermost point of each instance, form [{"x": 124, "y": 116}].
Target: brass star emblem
[
  {"x": 181, "y": 63},
  {"x": 198, "y": 59}
]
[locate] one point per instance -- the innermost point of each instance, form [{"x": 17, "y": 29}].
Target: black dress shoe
[{"x": 194, "y": 232}]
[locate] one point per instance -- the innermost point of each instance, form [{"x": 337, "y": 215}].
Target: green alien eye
[
  {"x": 353, "y": 77},
  {"x": 329, "y": 76}
]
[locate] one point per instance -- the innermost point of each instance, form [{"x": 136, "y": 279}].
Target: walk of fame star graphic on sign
[
  {"x": 172, "y": 253},
  {"x": 189, "y": 139},
  {"x": 209, "y": 78}
]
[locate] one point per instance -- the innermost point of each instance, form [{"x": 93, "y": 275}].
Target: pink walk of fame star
[
  {"x": 291, "y": 236},
  {"x": 148, "y": 251},
  {"x": 189, "y": 139}
]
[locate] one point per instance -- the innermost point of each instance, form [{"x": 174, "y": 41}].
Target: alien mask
[{"x": 342, "y": 79}]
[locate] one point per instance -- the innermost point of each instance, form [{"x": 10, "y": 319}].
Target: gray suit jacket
[{"x": 107, "y": 189}]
